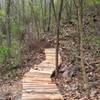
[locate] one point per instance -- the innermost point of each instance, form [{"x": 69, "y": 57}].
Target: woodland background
[{"x": 71, "y": 26}]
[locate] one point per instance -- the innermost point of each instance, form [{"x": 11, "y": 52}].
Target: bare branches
[
  {"x": 53, "y": 6},
  {"x": 35, "y": 19}
]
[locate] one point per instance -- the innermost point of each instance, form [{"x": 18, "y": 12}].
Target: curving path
[{"x": 37, "y": 84}]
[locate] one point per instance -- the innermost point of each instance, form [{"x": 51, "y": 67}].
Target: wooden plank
[
  {"x": 37, "y": 84},
  {"x": 33, "y": 96}
]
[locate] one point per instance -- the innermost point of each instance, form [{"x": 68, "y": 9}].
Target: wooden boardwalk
[{"x": 37, "y": 84}]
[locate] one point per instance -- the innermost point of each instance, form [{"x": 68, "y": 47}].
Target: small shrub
[{"x": 4, "y": 52}]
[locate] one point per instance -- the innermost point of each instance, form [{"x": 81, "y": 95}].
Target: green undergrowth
[{"x": 4, "y": 52}]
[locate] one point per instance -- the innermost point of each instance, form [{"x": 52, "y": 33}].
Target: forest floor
[
  {"x": 10, "y": 86},
  {"x": 69, "y": 80}
]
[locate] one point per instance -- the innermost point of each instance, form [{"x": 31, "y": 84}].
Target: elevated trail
[{"x": 37, "y": 84}]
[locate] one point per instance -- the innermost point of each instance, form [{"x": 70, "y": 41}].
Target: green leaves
[
  {"x": 2, "y": 13},
  {"x": 4, "y": 51},
  {"x": 92, "y": 2},
  {"x": 14, "y": 27},
  {"x": 96, "y": 1}
]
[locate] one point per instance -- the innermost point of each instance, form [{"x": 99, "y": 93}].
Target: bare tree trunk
[
  {"x": 0, "y": 30},
  {"x": 45, "y": 11},
  {"x": 23, "y": 10},
  {"x": 58, "y": 31},
  {"x": 19, "y": 14},
  {"x": 81, "y": 32},
  {"x": 58, "y": 19},
  {"x": 8, "y": 24},
  {"x": 43, "y": 27},
  {"x": 49, "y": 19},
  {"x": 35, "y": 20},
  {"x": 53, "y": 6},
  {"x": 0, "y": 39},
  {"x": 68, "y": 9},
  {"x": 8, "y": 30}
]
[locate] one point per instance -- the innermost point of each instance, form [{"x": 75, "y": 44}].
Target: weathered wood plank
[
  {"x": 33, "y": 96},
  {"x": 37, "y": 84}
]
